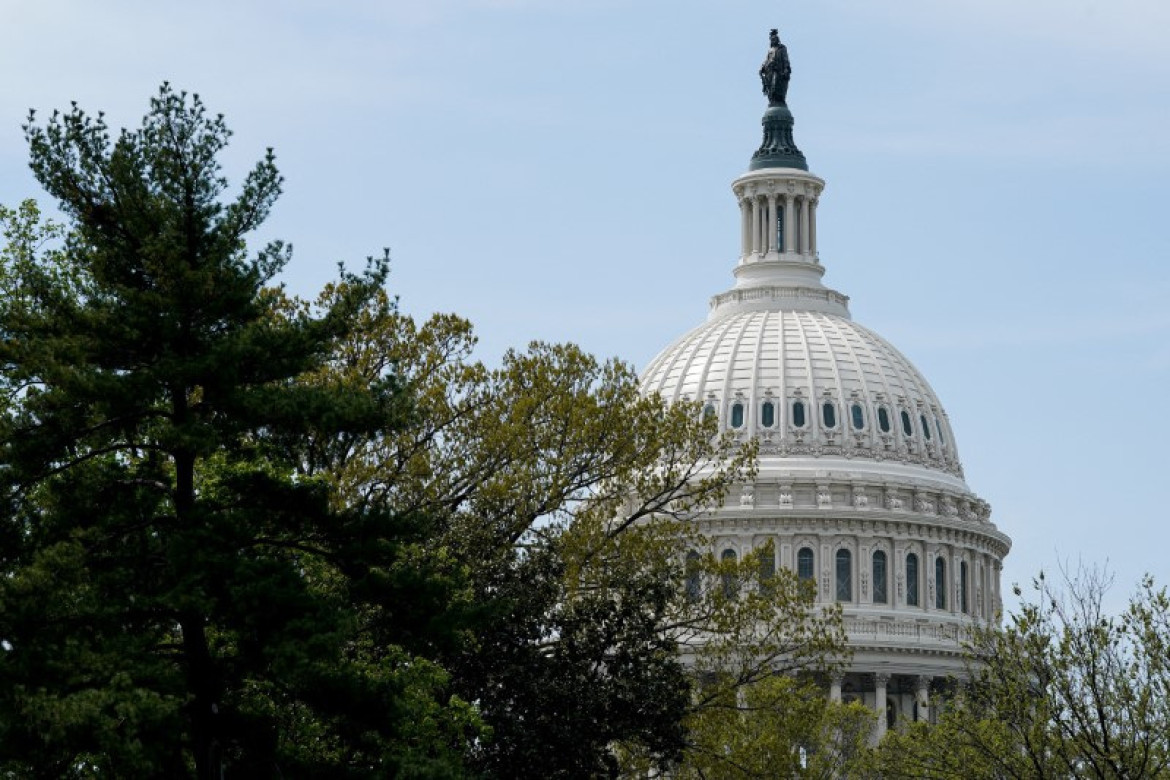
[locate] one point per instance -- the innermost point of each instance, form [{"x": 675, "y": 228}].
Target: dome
[
  {"x": 859, "y": 489},
  {"x": 808, "y": 383}
]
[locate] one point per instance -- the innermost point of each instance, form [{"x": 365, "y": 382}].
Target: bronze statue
[{"x": 775, "y": 72}]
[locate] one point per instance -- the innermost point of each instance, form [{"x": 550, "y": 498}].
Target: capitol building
[{"x": 860, "y": 488}]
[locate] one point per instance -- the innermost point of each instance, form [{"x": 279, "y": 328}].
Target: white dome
[
  {"x": 859, "y": 397},
  {"x": 859, "y": 490}
]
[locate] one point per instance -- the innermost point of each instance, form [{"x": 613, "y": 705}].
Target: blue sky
[{"x": 560, "y": 169}]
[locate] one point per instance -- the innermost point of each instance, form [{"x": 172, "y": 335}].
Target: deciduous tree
[{"x": 1064, "y": 689}]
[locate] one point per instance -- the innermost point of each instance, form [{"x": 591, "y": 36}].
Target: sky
[{"x": 560, "y": 170}]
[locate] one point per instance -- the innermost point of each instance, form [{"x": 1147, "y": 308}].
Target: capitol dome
[
  {"x": 859, "y": 487},
  {"x": 808, "y": 383}
]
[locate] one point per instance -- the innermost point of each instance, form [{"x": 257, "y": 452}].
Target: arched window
[
  {"x": 942, "y": 440},
  {"x": 925, "y": 426},
  {"x": 907, "y": 427},
  {"x": 779, "y": 228},
  {"x": 879, "y": 578},
  {"x": 730, "y": 586},
  {"x": 858, "y": 417},
  {"x": 694, "y": 578},
  {"x": 829, "y": 414},
  {"x": 912, "y": 580},
  {"x": 737, "y": 415},
  {"x": 798, "y": 414},
  {"x": 768, "y": 414},
  {"x": 844, "y": 575},
  {"x": 883, "y": 419},
  {"x": 804, "y": 564},
  {"x": 963, "y": 586},
  {"x": 940, "y": 583},
  {"x": 709, "y": 412}
]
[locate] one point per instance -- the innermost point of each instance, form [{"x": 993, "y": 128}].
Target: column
[
  {"x": 745, "y": 232},
  {"x": 755, "y": 248},
  {"x": 789, "y": 225},
  {"x": 770, "y": 229},
  {"x": 805, "y": 244},
  {"x": 812, "y": 227},
  {"x": 922, "y": 696},
  {"x": 835, "y": 683},
  {"x": 880, "y": 681},
  {"x": 956, "y": 575}
]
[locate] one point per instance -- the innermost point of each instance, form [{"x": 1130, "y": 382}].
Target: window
[
  {"x": 694, "y": 581},
  {"x": 883, "y": 419},
  {"x": 963, "y": 586},
  {"x": 768, "y": 414},
  {"x": 879, "y": 578},
  {"x": 767, "y": 566},
  {"x": 940, "y": 583},
  {"x": 798, "y": 414},
  {"x": 779, "y": 228},
  {"x": 925, "y": 426},
  {"x": 938, "y": 427},
  {"x": 737, "y": 415},
  {"x": 912, "y": 580},
  {"x": 907, "y": 428},
  {"x": 730, "y": 586},
  {"x": 829, "y": 414},
  {"x": 709, "y": 412},
  {"x": 858, "y": 417},
  {"x": 844, "y": 575},
  {"x": 804, "y": 564}
]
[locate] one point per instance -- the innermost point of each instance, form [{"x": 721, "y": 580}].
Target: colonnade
[
  {"x": 881, "y": 680},
  {"x": 762, "y": 233}
]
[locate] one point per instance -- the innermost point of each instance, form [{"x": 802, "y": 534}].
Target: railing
[{"x": 903, "y": 632}]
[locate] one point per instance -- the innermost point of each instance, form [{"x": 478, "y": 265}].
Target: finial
[{"x": 776, "y": 71}]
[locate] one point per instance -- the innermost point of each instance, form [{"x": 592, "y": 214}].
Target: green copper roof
[{"x": 778, "y": 149}]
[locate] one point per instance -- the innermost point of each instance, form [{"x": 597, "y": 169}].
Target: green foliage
[
  {"x": 1063, "y": 690},
  {"x": 778, "y": 726},
  {"x": 268, "y": 537},
  {"x": 175, "y": 596},
  {"x": 542, "y": 477},
  {"x": 569, "y": 501}
]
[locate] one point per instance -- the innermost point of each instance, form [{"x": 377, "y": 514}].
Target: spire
[{"x": 778, "y": 149}]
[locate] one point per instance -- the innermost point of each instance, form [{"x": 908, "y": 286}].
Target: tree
[
  {"x": 779, "y": 726},
  {"x": 260, "y": 536},
  {"x": 175, "y": 598},
  {"x": 1063, "y": 690},
  {"x": 569, "y": 499}
]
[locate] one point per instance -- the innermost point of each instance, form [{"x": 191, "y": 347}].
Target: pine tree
[{"x": 177, "y": 598}]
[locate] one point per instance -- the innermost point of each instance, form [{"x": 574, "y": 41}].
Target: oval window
[
  {"x": 907, "y": 427},
  {"x": 709, "y": 412},
  {"x": 925, "y": 426},
  {"x": 938, "y": 427},
  {"x": 829, "y": 414},
  {"x": 858, "y": 417},
  {"x": 883, "y": 419},
  {"x": 768, "y": 414},
  {"x": 798, "y": 413},
  {"x": 737, "y": 415}
]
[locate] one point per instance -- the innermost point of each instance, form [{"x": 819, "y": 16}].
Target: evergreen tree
[{"x": 177, "y": 598}]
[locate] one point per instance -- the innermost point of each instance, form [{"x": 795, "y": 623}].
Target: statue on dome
[{"x": 776, "y": 71}]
